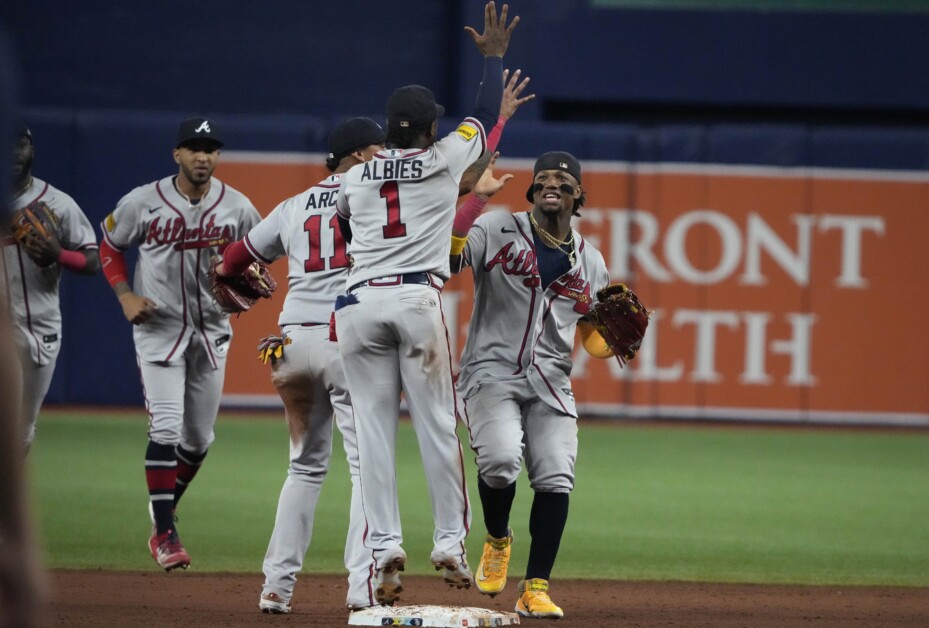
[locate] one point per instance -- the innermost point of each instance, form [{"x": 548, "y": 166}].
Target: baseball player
[
  {"x": 181, "y": 335},
  {"x": 397, "y": 211},
  {"x": 534, "y": 280},
  {"x": 33, "y": 271},
  {"x": 308, "y": 374}
]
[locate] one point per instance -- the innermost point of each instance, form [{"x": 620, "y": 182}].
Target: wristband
[
  {"x": 458, "y": 245},
  {"x": 72, "y": 260},
  {"x": 113, "y": 263},
  {"x": 468, "y": 213}
]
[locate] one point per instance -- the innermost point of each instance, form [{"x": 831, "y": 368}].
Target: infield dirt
[{"x": 131, "y": 599}]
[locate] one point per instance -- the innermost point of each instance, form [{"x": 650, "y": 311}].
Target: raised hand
[
  {"x": 494, "y": 40},
  {"x": 487, "y": 185},
  {"x": 511, "y": 91}
]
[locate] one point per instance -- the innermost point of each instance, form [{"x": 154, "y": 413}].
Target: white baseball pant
[
  {"x": 394, "y": 338},
  {"x": 311, "y": 383}
]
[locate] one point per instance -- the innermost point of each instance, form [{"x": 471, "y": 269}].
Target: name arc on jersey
[{"x": 322, "y": 199}]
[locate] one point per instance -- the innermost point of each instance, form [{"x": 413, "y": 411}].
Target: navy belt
[{"x": 425, "y": 279}]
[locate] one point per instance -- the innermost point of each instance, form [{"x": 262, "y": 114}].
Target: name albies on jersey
[{"x": 401, "y": 205}]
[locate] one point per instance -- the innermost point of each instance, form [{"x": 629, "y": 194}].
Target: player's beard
[
  {"x": 198, "y": 175},
  {"x": 21, "y": 171}
]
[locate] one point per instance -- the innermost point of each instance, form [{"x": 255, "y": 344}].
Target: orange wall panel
[{"x": 776, "y": 293}]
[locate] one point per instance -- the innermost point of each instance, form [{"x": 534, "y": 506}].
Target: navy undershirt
[{"x": 553, "y": 263}]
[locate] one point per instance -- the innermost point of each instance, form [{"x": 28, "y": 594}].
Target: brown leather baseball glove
[
  {"x": 35, "y": 220},
  {"x": 236, "y": 294},
  {"x": 621, "y": 319}
]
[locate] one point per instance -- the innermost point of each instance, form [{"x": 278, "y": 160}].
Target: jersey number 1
[
  {"x": 315, "y": 262},
  {"x": 391, "y": 194}
]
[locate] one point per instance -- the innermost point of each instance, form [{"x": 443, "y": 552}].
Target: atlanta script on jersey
[
  {"x": 536, "y": 340},
  {"x": 176, "y": 241}
]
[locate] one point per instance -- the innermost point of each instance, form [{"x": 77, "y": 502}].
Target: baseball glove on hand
[
  {"x": 236, "y": 294},
  {"x": 36, "y": 222},
  {"x": 621, "y": 319}
]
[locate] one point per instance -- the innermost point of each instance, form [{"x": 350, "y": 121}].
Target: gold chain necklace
[
  {"x": 553, "y": 241},
  {"x": 23, "y": 189}
]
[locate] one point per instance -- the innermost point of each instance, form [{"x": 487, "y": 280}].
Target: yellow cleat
[
  {"x": 491, "y": 573},
  {"x": 534, "y": 601}
]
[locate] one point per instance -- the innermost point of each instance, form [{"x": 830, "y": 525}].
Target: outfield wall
[
  {"x": 786, "y": 265},
  {"x": 772, "y": 290}
]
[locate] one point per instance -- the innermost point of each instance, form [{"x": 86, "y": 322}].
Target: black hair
[
  {"x": 332, "y": 163},
  {"x": 578, "y": 202},
  {"x": 405, "y": 137}
]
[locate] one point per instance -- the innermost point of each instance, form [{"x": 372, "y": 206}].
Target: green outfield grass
[{"x": 658, "y": 503}]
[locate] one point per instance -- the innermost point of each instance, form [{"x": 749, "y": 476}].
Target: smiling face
[{"x": 555, "y": 191}]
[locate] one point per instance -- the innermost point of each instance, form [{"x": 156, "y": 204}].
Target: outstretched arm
[
  {"x": 486, "y": 187},
  {"x": 492, "y": 43},
  {"x": 508, "y": 106}
]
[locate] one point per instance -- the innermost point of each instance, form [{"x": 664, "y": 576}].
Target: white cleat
[
  {"x": 457, "y": 574},
  {"x": 388, "y": 579},
  {"x": 273, "y": 604}
]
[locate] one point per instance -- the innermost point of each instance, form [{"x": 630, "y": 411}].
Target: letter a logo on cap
[{"x": 205, "y": 126}]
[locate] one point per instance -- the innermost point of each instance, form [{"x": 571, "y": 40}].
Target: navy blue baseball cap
[
  {"x": 354, "y": 134},
  {"x": 23, "y": 131},
  {"x": 412, "y": 106},
  {"x": 200, "y": 128},
  {"x": 555, "y": 160}
]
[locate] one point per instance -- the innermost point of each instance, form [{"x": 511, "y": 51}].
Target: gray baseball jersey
[
  {"x": 33, "y": 289},
  {"x": 393, "y": 336},
  {"x": 176, "y": 241},
  {"x": 311, "y": 382},
  {"x": 304, "y": 228},
  {"x": 401, "y": 205},
  {"x": 535, "y": 338}
]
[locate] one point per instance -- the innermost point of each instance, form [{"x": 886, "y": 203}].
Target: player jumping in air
[{"x": 397, "y": 212}]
